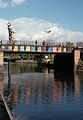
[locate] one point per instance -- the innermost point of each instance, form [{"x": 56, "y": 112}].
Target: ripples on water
[{"x": 34, "y": 93}]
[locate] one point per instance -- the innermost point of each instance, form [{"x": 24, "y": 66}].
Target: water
[{"x": 35, "y": 93}]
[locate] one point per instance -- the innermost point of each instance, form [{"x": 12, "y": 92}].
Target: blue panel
[
  {"x": 49, "y": 49},
  {"x": 21, "y": 48},
  {"x": 32, "y": 48}
]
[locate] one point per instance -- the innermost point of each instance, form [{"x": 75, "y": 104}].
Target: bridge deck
[{"x": 33, "y": 52}]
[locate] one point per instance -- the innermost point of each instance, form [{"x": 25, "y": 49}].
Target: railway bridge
[{"x": 61, "y": 59}]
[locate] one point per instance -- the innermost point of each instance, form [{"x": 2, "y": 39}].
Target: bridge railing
[{"x": 27, "y": 42}]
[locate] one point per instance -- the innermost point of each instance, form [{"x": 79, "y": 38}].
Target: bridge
[{"x": 61, "y": 59}]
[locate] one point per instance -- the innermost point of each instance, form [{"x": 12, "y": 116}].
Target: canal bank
[
  {"x": 10, "y": 115},
  {"x": 3, "y": 113}
]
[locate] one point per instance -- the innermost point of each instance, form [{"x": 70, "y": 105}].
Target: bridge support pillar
[
  {"x": 76, "y": 55},
  {"x": 1, "y": 61}
]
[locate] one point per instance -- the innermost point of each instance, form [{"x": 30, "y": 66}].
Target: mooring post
[{"x": 76, "y": 58}]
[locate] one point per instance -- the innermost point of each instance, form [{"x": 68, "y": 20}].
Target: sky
[{"x": 33, "y": 17}]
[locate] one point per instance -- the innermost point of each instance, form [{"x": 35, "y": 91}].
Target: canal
[{"x": 36, "y": 93}]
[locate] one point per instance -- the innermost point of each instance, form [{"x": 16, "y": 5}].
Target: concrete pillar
[
  {"x": 1, "y": 57},
  {"x": 76, "y": 55},
  {"x": 1, "y": 61}
]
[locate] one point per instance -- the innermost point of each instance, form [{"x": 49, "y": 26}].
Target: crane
[{"x": 11, "y": 32}]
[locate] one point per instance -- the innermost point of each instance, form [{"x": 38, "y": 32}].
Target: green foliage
[
  {"x": 80, "y": 63},
  {"x": 22, "y": 57}
]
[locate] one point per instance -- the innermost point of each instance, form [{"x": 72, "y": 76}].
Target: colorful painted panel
[
  {"x": 3, "y": 47},
  {"x": 54, "y": 49},
  {"x": 33, "y": 48},
  {"x": 21, "y": 48},
  {"x": 43, "y": 49},
  {"x": 49, "y": 49},
  {"x": 39, "y": 49},
  {"x": 27, "y": 48},
  {"x": 59, "y": 49},
  {"x": 9, "y": 48},
  {"x": 15, "y": 48},
  {"x": 64, "y": 50}
]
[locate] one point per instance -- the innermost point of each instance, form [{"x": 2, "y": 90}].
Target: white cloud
[
  {"x": 3, "y": 4},
  {"x": 3, "y": 30},
  {"x": 11, "y": 3},
  {"x": 17, "y": 2},
  {"x": 29, "y": 29}
]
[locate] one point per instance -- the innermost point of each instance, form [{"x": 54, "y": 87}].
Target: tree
[{"x": 70, "y": 45}]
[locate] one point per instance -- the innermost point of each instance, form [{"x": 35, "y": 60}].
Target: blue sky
[
  {"x": 31, "y": 18},
  {"x": 67, "y": 13}
]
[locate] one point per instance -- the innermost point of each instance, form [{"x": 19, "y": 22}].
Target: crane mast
[{"x": 11, "y": 32}]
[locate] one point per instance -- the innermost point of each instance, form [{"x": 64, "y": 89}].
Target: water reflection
[
  {"x": 3, "y": 113},
  {"x": 77, "y": 85},
  {"x": 57, "y": 91},
  {"x": 33, "y": 92}
]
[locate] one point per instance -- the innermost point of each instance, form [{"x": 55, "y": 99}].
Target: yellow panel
[
  {"x": 64, "y": 50},
  {"x": 39, "y": 49},
  {"x": 27, "y": 48}
]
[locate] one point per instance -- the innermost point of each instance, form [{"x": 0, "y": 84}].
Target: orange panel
[
  {"x": 15, "y": 48},
  {"x": 59, "y": 49}
]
